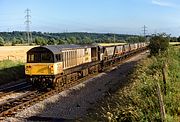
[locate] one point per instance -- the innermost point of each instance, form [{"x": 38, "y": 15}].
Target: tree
[
  {"x": 178, "y": 39},
  {"x": 87, "y": 40},
  {"x": 40, "y": 41},
  {"x": 141, "y": 39},
  {"x": 73, "y": 40},
  {"x": 22, "y": 40},
  {"x": 173, "y": 39},
  {"x": 159, "y": 43},
  {"x": 132, "y": 39},
  {"x": 135, "y": 39},
  {"x": 51, "y": 41},
  {"x": 15, "y": 41},
  {"x": 1, "y": 41},
  {"x": 60, "y": 41}
]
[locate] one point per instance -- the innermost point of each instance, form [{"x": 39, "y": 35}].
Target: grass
[
  {"x": 11, "y": 71},
  {"x": 9, "y": 63},
  {"x": 139, "y": 101}
]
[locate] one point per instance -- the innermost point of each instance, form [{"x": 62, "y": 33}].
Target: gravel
[{"x": 76, "y": 101}]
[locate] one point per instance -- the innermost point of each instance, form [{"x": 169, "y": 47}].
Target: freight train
[{"x": 55, "y": 66}]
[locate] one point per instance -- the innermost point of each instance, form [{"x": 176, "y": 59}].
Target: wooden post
[
  {"x": 164, "y": 77},
  {"x": 161, "y": 103}
]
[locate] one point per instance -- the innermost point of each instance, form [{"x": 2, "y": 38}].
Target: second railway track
[{"x": 14, "y": 89}]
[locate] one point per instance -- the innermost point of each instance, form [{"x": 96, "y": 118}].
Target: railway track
[
  {"x": 11, "y": 86},
  {"x": 12, "y": 106},
  {"x": 14, "y": 89}
]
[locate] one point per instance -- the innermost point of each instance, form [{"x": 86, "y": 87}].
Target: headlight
[
  {"x": 51, "y": 67},
  {"x": 28, "y": 67}
]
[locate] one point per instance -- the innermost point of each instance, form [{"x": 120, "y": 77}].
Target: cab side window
[
  {"x": 59, "y": 57},
  {"x": 31, "y": 58}
]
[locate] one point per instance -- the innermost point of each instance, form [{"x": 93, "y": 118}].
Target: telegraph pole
[
  {"x": 28, "y": 16},
  {"x": 114, "y": 38},
  {"x": 144, "y": 30}
]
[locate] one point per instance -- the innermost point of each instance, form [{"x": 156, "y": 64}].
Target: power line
[
  {"x": 144, "y": 30},
  {"x": 28, "y": 16}
]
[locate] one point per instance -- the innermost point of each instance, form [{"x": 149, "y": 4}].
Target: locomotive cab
[
  {"x": 41, "y": 61},
  {"x": 43, "y": 64}
]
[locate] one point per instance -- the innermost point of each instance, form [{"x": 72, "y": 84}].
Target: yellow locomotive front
[{"x": 42, "y": 65}]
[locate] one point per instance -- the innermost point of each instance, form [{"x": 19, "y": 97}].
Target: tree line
[{"x": 40, "y": 38}]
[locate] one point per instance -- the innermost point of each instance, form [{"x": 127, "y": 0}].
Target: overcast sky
[{"x": 101, "y": 16}]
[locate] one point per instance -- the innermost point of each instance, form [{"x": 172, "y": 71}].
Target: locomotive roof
[{"x": 58, "y": 48}]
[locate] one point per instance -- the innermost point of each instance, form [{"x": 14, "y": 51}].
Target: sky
[{"x": 99, "y": 16}]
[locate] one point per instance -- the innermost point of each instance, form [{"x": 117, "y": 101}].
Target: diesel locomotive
[{"x": 55, "y": 66}]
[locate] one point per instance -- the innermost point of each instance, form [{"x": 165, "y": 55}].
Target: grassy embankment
[
  {"x": 140, "y": 99},
  {"x": 11, "y": 71}
]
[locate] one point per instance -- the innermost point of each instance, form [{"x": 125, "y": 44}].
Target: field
[
  {"x": 174, "y": 43},
  {"x": 15, "y": 53}
]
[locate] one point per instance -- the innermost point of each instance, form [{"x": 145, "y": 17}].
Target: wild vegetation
[
  {"x": 159, "y": 43},
  {"x": 11, "y": 71},
  {"x": 151, "y": 94}
]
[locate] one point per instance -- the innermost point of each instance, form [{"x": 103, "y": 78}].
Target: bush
[
  {"x": 1, "y": 41},
  {"x": 159, "y": 43}
]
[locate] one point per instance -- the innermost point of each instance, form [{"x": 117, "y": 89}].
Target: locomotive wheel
[
  {"x": 75, "y": 76},
  {"x": 60, "y": 83},
  {"x": 56, "y": 83}
]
